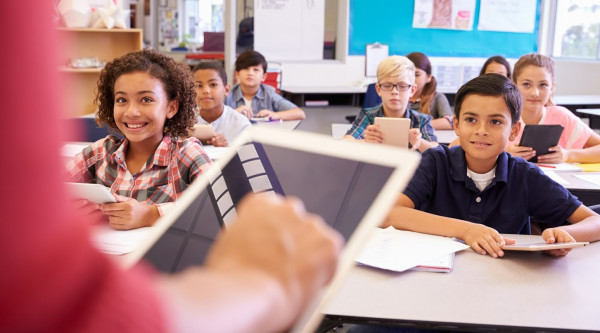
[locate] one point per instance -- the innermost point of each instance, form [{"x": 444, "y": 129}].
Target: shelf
[
  {"x": 80, "y": 83},
  {"x": 79, "y": 70}
]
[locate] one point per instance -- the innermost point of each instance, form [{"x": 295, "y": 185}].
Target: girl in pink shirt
[{"x": 534, "y": 76}]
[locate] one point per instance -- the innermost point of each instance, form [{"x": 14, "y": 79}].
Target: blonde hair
[
  {"x": 537, "y": 60},
  {"x": 394, "y": 67}
]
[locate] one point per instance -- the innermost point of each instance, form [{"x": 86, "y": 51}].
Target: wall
[{"x": 573, "y": 77}]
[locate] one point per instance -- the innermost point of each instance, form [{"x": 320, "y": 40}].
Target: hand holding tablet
[{"x": 95, "y": 193}]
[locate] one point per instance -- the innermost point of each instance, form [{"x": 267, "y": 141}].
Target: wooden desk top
[{"x": 521, "y": 290}]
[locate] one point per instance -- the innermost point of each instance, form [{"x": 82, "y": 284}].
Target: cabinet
[{"x": 79, "y": 85}]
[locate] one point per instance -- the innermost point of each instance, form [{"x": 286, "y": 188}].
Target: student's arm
[
  {"x": 291, "y": 114},
  {"x": 584, "y": 227},
  {"x": 129, "y": 213},
  {"x": 589, "y": 154},
  {"x": 441, "y": 124},
  {"x": 521, "y": 151},
  {"x": 481, "y": 238}
]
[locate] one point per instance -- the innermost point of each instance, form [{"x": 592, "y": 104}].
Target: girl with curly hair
[{"x": 148, "y": 100}]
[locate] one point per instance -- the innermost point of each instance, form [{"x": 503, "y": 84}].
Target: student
[
  {"x": 496, "y": 64},
  {"x": 426, "y": 99},
  {"x": 476, "y": 191},
  {"x": 252, "y": 98},
  {"x": 395, "y": 85},
  {"x": 149, "y": 99},
  {"x": 211, "y": 85},
  {"x": 534, "y": 75}
]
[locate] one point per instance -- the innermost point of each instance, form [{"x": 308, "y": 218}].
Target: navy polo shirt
[{"x": 519, "y": 190}]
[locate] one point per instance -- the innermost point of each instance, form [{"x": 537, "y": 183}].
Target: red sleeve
[{"x": 51, "y": 278}]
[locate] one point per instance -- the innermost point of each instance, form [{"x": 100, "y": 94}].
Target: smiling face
[
  {"x": 536, "y": 86},
  {"x": 141, "y": 108},
  {"x": 395, "y": 100},
  {"x": 211, "y": 91},
  {"x": 495, "y": 67},
  {"x": 251, "y": 77},
  {"x": 484, "y": 127}
]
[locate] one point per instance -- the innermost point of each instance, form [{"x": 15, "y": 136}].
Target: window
[{"x": 577, "y": 29}]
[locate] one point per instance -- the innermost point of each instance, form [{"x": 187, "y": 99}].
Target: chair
[
  {"x": 214, "y": 42},
  {"x": 371, "y": 97}
]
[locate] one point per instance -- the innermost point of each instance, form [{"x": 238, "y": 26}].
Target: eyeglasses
[{"x": 399, "y": 86}]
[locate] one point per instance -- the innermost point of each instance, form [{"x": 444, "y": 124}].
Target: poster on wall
[
  {"x": 444, "y": 14},
  {"x": 289, "y": 29},
  {"x": 507, "y": 15}
]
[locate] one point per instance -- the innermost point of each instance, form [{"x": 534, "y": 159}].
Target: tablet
[
  {"x": 542, "y": 246},
  {"x": 95, "y": 193},
  {"x": 351, "y": 186},
  {"x": 204, "y": 131},
  {"x": 540, "y": 138},
  {"x": 395, "y": 130}
]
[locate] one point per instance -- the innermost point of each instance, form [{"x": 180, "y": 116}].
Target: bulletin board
[{"x": 390, "y": 22}]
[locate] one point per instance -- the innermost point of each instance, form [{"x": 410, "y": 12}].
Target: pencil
[{"x": 546, "y": 166}]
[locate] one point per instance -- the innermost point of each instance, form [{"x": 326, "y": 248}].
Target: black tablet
[{"x": 540, "y": 138}]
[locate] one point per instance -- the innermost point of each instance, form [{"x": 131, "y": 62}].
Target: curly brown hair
[{"x": 177, "y": 82}]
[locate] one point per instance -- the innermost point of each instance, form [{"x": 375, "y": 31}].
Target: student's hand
[
  {"x": 246, "y": 111},
  {"x": 276, "y": 239},
  {"x": 414, "y": 137},
  {"x": 218, "y": 140},
  {"x": 129, "y": 213},
  {"x": 557, "y": 235},
  {"x": 522, "y": 151},
  {"x": 267, "y": 113},
  {"x": 484, "y": 240},
  {"x": 558, "y": 155},
  {"x": 373, "y": 134},
  {"x": 89, "y": 210}
]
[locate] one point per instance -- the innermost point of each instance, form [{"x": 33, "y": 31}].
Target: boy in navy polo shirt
[{"x": 476, "y": 191}]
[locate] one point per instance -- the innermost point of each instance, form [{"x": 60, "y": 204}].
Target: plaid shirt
[
  {"x": 161, "y": 180},
  {"x": 417, "y": 120}
]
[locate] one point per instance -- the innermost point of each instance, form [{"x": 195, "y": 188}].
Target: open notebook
[{"x": 351, "y": 185}]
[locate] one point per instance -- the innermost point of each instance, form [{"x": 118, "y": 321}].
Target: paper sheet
[
  {"x": 560, "y": 167},
  {"x": 111, "y": 241},
  {"x": 594, "y": 179},
  {"x": 399, "y": 250}
]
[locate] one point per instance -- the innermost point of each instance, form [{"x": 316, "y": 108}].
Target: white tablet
[
  {"x": 542, "y": 246},
  {"x": 95, "y": 193},
  {"x": 395, "y": 130},
  {"x": 204, "y": 131}
]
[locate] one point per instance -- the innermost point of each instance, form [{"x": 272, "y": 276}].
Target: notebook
[{"x": 350, "y": 184}]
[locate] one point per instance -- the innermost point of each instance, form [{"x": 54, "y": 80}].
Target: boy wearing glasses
[{"x": 395, "y": 85}]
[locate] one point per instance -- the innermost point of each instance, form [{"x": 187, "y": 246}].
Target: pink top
[{"x": 575, "y": 134}]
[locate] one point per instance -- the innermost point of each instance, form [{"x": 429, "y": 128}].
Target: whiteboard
[{"x": 289, "y": 29}]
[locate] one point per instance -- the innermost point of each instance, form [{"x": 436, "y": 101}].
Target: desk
[
  {"x": 445, "y": 136},
  {"x": 288, "y": 125},
  {"x": 592, "y": 114},
  {"x": 574, "y": 102},
  {"x": 588, "y": 193},
  {"x": 522, "y": 291},
  {"x": 335, "y": 95}
]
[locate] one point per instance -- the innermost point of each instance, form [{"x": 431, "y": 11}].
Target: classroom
[{"x": 333, "y": 166}]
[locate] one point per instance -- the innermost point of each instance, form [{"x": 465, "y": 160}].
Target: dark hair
[
  {"x": 250, "y": 58},
  {"x": 491, "y": 84},
  {"x": 422, "y": 62},
  {"x": 499, "y": 59},
  {"x": 176, "y": 79},
  {"x": 212, "y": 65}
]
